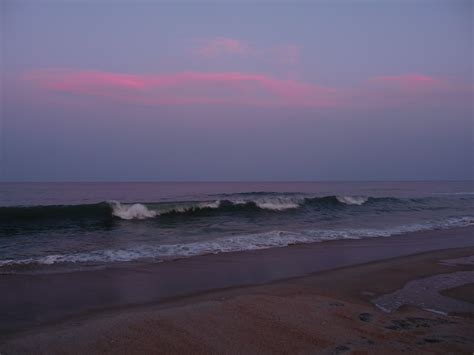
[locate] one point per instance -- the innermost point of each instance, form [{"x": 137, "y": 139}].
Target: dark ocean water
[{"x": 57, "y": 226}]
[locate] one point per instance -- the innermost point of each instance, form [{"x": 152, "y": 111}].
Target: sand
[{"x": 328, "y": 311}]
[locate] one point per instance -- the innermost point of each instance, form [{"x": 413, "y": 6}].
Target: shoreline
[
  {"x": 330, "y": 311},
  {"x": 30, "y": 302}
]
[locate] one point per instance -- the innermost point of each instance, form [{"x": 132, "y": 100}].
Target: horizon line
[{"x": 232, "y": 181}]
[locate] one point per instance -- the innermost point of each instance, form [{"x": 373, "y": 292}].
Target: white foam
[
  {"x": 278, "y": 203},
  {"x": 352, "y": 200},
  {"x": 236, "y": 243},
  {"x": 274, "y": 203},
  {"x": 382, "y": 308},
  {"x": 215, "y": 204},
  {"x": 135, "y": 211},
  {"x": 435, "y": 311},
  {"x": 140, "y": 211}
]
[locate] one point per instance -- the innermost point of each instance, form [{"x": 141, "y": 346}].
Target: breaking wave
[
  {"x": 352, "y": 200},
  {"x": 140, "y": 211},
  {"x": 135, "y": 211}
]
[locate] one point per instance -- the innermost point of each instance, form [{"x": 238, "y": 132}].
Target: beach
[
  {"x": 299, "y": 299},
  {"x": 236, "y": 177}
]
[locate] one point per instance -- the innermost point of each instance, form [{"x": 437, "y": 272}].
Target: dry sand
[{"x": 326, "y": 312}]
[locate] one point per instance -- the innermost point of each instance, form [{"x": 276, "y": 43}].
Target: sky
[{"x": 236, "y": 90}]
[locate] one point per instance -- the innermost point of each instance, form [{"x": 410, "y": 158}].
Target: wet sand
[{"x": 321, "y": 304}]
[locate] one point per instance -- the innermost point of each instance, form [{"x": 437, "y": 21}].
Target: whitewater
[{"x": 147, "y": 223}]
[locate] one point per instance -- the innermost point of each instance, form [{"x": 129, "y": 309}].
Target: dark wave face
[
  {"x": 49, "y": 236},
  {"x": 268, "y": 202}
]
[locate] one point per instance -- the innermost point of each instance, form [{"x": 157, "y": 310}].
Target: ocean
[{"x": 57, "y": 227}]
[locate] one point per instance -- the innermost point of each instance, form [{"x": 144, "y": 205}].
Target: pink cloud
[
  {"x": 246, "y": 89},
  {"x": 80, "y": 80},
  {"x": 186, "y": 88}
]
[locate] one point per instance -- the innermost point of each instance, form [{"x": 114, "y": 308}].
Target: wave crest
[
  {"x": 135, "y": 211},
  {"x": 271, "y": 203},
  {"x": 352, "y": 200},
  {"x": 141, "y": 211}
]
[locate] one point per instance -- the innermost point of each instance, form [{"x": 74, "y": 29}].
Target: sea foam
[
  {"x": 271, "y": 239},
  {"x": 272, "y": 203},
  {"x": 352, "y": 200},
  {"x": 135, "y": 211}
]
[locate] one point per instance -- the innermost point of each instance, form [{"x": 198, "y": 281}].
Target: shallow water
[{"x": 70, "y": 225}]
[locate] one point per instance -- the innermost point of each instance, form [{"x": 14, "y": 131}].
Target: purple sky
[{"x": 328, "y": 90}]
